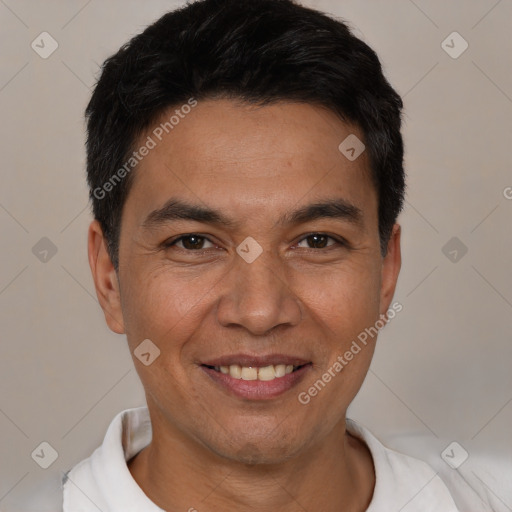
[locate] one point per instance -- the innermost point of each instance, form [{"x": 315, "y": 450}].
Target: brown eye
[
  {"x": 191, "y": 242},
  {"x": 318, "y": 241}
]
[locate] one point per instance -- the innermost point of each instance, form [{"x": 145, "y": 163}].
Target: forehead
[{"x": 251, "y": 159}]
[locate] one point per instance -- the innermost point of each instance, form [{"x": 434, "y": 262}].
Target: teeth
[
  {"x": 267, "y": 373},
  {"x": 235, "y": 371},
  {"x": 280, "y": 370},
  {"x": 264, "y": 373}
]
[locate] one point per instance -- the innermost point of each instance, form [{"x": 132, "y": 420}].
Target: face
[{"x": 249, "y": 241}]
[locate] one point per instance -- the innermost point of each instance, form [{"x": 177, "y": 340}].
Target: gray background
[{"x": 442, "y": 368}]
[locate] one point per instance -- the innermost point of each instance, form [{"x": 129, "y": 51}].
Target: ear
[
  {"x": 391, "y": 264},
  {"x": 105, "y": 278}
]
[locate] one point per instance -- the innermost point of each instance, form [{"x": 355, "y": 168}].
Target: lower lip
[{"x": 257, "y": 389}]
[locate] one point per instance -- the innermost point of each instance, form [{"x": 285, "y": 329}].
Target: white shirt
[{"x": 103, "y": 481}]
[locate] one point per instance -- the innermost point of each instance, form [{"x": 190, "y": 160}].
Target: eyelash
[{"x": 338, "y": 242}]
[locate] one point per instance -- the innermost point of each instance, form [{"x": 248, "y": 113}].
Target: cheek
[
  {"x": 345, "y": 304},
  {"x": 162, "y": 305},
  {"x": 165, "y": 309},
  {"x": 346, "y": 299}
]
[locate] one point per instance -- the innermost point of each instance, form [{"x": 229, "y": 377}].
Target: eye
[
  {"x": 196, "y": 242},
  {"x": 319, "y": 241},
  {"x": 191, "y": 242}
]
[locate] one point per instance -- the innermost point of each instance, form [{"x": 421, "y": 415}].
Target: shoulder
[
  {"x": 412, "y": 471},
  {"x": 403, "y": 482},
  {"x": 103, "y": 480}
]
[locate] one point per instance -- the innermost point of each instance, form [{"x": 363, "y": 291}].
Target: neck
[{"x": 178, "y": 473}]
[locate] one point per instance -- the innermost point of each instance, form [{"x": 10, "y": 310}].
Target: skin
[{"x": 211, "y": 450}]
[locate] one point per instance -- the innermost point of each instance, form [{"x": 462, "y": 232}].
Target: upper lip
[{"x": 256, "y": 360}]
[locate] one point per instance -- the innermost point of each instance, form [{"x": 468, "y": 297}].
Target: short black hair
[{"x": 257, "y": 51}]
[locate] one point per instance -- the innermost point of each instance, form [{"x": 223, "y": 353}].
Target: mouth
[{"x": 256, "y": 378}]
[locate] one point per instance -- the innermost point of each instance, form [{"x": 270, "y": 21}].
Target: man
[{"x": 245, "y": 168}]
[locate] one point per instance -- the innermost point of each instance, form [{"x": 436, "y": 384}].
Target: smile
[{"x": 253, "y": 382}]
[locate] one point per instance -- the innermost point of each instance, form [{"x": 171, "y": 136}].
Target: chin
[{"x": 264, "y": 450}]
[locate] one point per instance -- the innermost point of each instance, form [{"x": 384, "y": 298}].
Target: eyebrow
[{"x": 176, "y": 209}]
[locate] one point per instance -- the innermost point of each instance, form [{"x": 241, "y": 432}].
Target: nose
[{"x": 258, "y": 296}]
